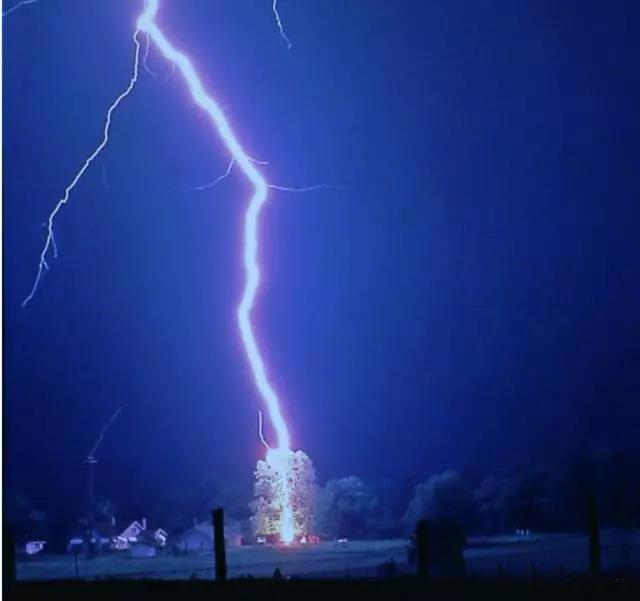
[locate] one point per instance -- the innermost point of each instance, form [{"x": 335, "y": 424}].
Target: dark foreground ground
[
  {"x": 548, "y": 555},
  {"x": 511, "y": 568},
  {"x": 404, "y": 587}
]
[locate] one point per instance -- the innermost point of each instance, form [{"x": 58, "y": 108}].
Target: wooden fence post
[
  {"x": 218, "y": 544},
  {"x": 422, "y": 547}
]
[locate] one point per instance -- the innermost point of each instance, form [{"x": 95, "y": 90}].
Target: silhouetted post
[
  {"x": 218, "y": 543},
  {"x": 594, "y": 535},
  {"x": 422, "y": 547},
  {"x": 8, "y": 561}
]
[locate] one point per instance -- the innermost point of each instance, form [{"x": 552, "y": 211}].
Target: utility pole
[
  {"x": 91, "y": 461},
  {"x": 91, "y": 458}
]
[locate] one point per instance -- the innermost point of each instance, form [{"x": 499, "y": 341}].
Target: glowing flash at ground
[
  {"x": 147, "y": 24},
  {"x": 49, "y": 241},
  {"x": 283, "y": 35}
]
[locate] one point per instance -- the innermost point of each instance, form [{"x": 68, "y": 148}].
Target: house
[
  {"x": 107, "y": 536},
  {"x": 124, "y": 539},
  {"x": 199, "y": 538},
  {"x": 160, "y": 536},
  {"x": 130, "y": 535},
  {"x": 145, "y": 546},
  {"x": 31, "y": 547}
]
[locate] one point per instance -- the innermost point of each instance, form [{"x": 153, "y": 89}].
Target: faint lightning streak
[
  {"x": 146, "y": 23},
  {"x": 260, "y": 434},
  {"x": 65, "y": 198},
  {"x": 307, "y": 188},
  {"x": 112, "y": 419},
  {"x": 258, "y": 161},
  {"x": 218, "y": 179},
  {"x": 283, "y": 35},
  {"x": 54, "y": 246},
  {"x": 225, "y": 175},
  {"x": 145, "y": 57},
  {"x": 17, "y": 6}
]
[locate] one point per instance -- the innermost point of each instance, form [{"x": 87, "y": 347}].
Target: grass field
[{"x": 546, "y": 554}]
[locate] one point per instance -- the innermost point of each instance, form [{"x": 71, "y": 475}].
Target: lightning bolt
[
  {"x": 112, "y": 419},
  {"x": 145, "y": 57},
  {"x": 227, "y": 173},
  {"x": 260, "y": 433},
  {"x": 17, "y": 6},
  {"x": 280, "y": 456},
  {"x": 49, "y": 243},
  {"x": 147, "y": 24},
  {"x": 283, "y": 35}
]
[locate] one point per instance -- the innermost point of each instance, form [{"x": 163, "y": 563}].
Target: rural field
[{"x": 546, "y": 554}]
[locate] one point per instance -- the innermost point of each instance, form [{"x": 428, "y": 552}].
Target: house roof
[
  {"x": 193, "y": 531},
  {"x": 149, "y": 529},
  {"x": 137, "y": 523},
  {"x": 205, "y": 530}
]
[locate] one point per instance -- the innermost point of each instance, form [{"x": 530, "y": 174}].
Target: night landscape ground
[{"x": 550, "y": 555}]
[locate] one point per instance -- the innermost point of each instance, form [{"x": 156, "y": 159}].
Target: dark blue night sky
[{"x": 471, "y": 299}]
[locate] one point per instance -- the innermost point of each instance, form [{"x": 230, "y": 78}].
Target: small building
[
  {"x": 145, "y": 546},
  {"x": 75, "y": 544},
  {"x": 160, "y": 536},
  {"x": 199, "y": 538},
  {"x": 108, "y": 537},
  {"x": 125, "y": 538},
  {"x": 132, "y": 533},
  {"x": 194, "y": 540},
  {"x": 30, "y": 547}
]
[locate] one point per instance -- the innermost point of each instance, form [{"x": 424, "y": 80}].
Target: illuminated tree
[
  {"x": 297, "y": 480},
  {"x": 347, "y": 507},
  {"x": 444, "y": 498}
]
